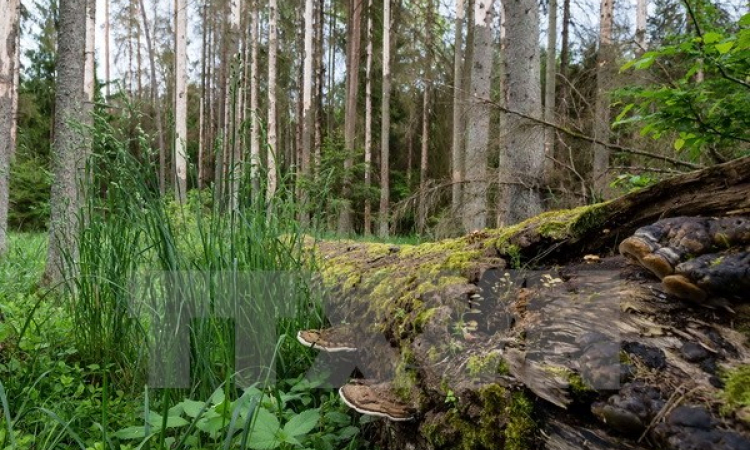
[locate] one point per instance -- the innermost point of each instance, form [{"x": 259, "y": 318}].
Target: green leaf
[
  {"x": 303, "y": 422},
  {"x": 678, "y": 144},
  {"x": 745, "y": 20},
  {"x": 192, "y": 408},
  {"x": 711, "y": 38},
  {"x": 131, "y": 433},
  {"x": 264, "y": 435},
  {"x": 724, "y": 47},
  {"x": 625, "y": 110}
]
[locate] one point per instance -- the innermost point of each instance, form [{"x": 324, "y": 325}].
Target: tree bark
[
  {"x": 367, "y": 230},
  {"x": 155, "y": 104},
  {"x": 273, "y": 146},
  {"x": 549, "y": 91},
  {"x": 308, "y": 123},
  {"x": 604, "y": 67},
  {"x": 345, "y": 225},
  {"x": 522, "y": 161},
  {"x": 459, "y": 138},
  {"x": 8, "y": 42},
  {"x": 423, "y": 161},
  {"x": 385, "y": 125},
  {"x": 68, "y": 139},
  {"x": 478, "y": 119},
  {"x": 641, "y": 16},
  {"x": 180, "y": 141},
  {"x": 255, "y": 162}
]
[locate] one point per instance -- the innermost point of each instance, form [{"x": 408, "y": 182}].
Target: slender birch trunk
[
  {"x": 254, "y": 117},
  {"x": 368, "y": 123},
  {"x": 273, "y": 147},
  {"x": 180, "y": 143},
  {"x": 457, "y": 148},
  {"x": 202, "y": 134},
  {"x": 8, "y": 57},
  {"x": 107, "y": 55},
  {"x": 641, "y": 16},
  {"x": 308, "y": 124},
  {"x": 385, "y": 128}
]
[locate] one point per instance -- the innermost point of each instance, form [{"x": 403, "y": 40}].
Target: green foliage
[{"x": 703, "y": 102}]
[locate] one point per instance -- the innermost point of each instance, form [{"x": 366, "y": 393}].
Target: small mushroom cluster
[
  {"x": 696, "y": 257},
  {"x": 368, "y": 397}
]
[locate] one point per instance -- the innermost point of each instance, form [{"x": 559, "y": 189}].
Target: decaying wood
[{"x": 601, "y": 355}]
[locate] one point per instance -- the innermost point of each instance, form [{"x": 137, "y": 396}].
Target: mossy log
[{"x": 513, "y": 338}]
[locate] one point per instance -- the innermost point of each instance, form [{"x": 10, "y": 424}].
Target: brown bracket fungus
[
  {"x": 375, "y": 399},
  {"x": 331, "y": 340}
]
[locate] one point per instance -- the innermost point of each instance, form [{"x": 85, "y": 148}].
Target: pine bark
[
  {"x": 385, "y": 129},
  {"x": 180, "y": 144},
  {"x": 273, "y": 146},
  {"x": 478, "y": 119},
  {"x": 8, "y": 52},
  {"x": 522, "y": 160},
  {"x": 68, "y": 139},
  {"x": 457, "y": 147}
]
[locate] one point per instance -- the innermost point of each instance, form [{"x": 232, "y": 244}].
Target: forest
[{"x": 242, "y": 171}]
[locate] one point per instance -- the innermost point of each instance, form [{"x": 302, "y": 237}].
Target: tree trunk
[
  {"x": 641, "y": 16},
  {"x": 254, "y": 112},
  {"x": 564, "y": 56},
  {"x": 180, "y": 138},
  {"x": 423, "y": 161},
  {"x": 368, "y": 123},
  {"x": 155, "y": 104},
  {"x": 549, "y": 92},
  {"x": 202, "y": 110},
  {"x": 385, "y": 127},
  {"x": 604, "y": 68},
  {"x": 478, "y": 119},
  {"x": 68, "y": 139},
  {"x": 459, "y": 138},
  {"x": 107, "y": 54},
  {"x": 308, "y": 124},
  {"x": 345, "y": 225},
  {"x": 273, "y": 147},
  {"x": 595, "y": 353},
  {"x": 522, "y": 162},
  {"x": 8, "y": 42}
]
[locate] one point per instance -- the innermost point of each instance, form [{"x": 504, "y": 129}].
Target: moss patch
[
  {"x": 737, "y": 388},
  {"x": 521, "y": 428},
  {"x": 489, "y": 364}
]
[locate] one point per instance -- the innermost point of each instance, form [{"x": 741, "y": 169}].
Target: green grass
[{"x": 74, "y": 359}]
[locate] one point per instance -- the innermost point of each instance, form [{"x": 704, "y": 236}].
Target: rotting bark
[{"x": 497, "y": 348}]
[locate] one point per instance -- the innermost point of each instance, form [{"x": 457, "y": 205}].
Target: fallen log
[{"x": 512, "y": 339}]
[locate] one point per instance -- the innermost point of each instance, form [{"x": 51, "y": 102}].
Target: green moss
[
  {"x": 589, "y": 217},
  {"x": 405, "y": 380},
  {"x": 489, "y": 364},
  {"x": 423, "y": 317},
  {"x": 737, "y": 388},
  {"x": 577, "y": 386},
  {"x": 520, "y": 430}
]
